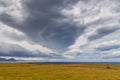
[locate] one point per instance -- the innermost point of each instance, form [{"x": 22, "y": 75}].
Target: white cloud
[
  {"x": 107, "y": 43},
  {"x": 13, "y": 8},
  {"x": 76, "y": 47},
  {"x": 95, "y": 15},
  {"x": 34, "y": 47},
  {"x": 80, "y": 41},
  {"x": 91, "y": 11},
  {"x": 115, "y": 53},
  {"x": 7, "y": 33}
]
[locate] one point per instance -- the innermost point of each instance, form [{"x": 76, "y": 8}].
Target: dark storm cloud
[
  {"x": 102, "y": 32},
  {"x": 16, "y": 54},
  {"x": 30, "y": 54},
  {"x": 8, "y": 20},
  {"x": 45, "y": 24}
]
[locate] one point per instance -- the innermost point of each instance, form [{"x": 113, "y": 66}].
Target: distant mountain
[
  {"x": 10, "y": 59},
  {"x": 3, "y": 59}
]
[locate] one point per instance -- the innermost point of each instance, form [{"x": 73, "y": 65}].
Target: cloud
[
  {"x": 108, "y": 45},
  {"x": 14, "y": 50},
  {"x": 101, "y": 27},
  {"x": 17, "y": 44},
  {"x": 14, "y": 8},
  {"x": 114, "y": 53},
  {"x": 103, "y": 32},
  {"x": 45, "y": 23},
  {"x": 12, "y": 33},
  {"x": 57, "y": 29}
]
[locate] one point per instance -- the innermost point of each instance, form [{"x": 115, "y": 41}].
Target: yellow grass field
[{"x": 22, "y": 71}]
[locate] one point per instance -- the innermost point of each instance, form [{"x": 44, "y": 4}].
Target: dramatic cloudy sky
[{"x": 60, "y": 30}]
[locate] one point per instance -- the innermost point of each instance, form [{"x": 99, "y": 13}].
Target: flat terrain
[{"x": 22, "y": 71}]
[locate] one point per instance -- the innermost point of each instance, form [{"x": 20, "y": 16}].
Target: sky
[{"x": 60, "y": 30}]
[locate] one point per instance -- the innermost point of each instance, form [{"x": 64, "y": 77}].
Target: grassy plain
[{"x": 22, "y": 71}]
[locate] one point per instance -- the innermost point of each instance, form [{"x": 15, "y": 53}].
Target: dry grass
[{"x": 59, "y": 72}]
